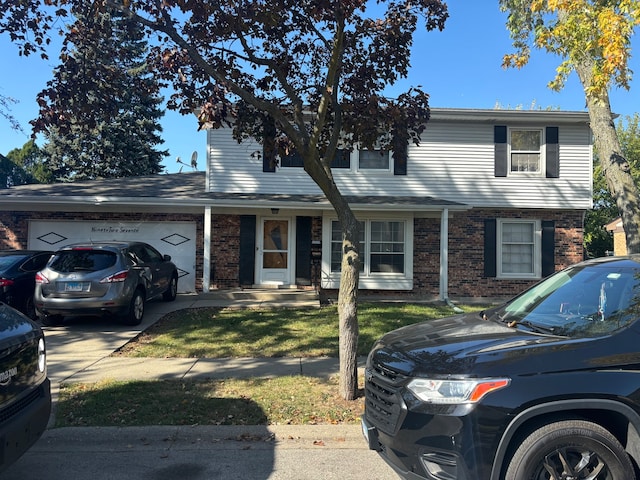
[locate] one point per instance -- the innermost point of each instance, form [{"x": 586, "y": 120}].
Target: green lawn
[{"x": 289, "y": 332}]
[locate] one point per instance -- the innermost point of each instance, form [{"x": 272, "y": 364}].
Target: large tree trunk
[
  {"x": 616, "y": 168},
  {"x": 348, "y": 307},
  {"x": 349, "y": 277}
]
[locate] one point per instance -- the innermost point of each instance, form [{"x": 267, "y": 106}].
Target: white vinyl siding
[{"x": 454, "y": 161}]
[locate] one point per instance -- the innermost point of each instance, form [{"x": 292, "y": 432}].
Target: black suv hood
[{"x": 469, "y": 345}]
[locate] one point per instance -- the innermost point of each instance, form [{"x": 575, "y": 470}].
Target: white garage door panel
[{"x": 177, "y": 239}]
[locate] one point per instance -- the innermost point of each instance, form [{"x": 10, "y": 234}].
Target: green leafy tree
[
  {"x": 100, "y": 113},
  {"x": 12, "y": 174},
  {"x": 31, "y": 159},
  {"x": 593, "y": 39},
  {"x": 597, "y": 239},
  {"x": 308, "y": 75}
]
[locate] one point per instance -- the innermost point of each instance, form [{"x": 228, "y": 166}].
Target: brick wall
[
  {"x": 466, "y": 252},
  {"x": 466, "y": 247}
]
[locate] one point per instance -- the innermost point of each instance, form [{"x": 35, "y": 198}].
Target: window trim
[
  {"x": 537, "y": 249},
  {"x": 541, "y": 152},
  {"x": 388, "y": 170},
  {"x": 369, "y": 280}
]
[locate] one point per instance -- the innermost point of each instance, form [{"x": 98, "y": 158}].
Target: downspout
[
  {"x": 206, "y": 267},
  {"x": 444, "y": 261}
]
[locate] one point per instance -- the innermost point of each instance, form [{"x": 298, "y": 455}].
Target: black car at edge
[
  {"x": 546, "y": 386},
  {"x": 18, "y": 270},
  {"x": 25, "y": 393}
]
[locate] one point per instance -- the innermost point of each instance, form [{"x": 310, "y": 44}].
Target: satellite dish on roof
[{"x": 194, "y": 160}]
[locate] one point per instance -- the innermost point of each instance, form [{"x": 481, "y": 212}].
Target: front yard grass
[
  {"x": 218, "y": 333},
  {"x": 283, "y": 332}
]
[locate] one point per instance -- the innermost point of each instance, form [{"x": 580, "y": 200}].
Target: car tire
[
  {"x": 170, "y": 293},
  {"x": 136, "y": 309},
  {"x": 580, "y": 446},
  {"x": 51, "y": 320},
  {"x": 30, "y": 308}
]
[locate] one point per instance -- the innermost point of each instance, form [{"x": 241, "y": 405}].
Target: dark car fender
[{"x": 554, "y": 408}]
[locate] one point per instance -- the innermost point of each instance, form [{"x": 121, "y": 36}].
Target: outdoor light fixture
[{"x": 275, "y": 211}]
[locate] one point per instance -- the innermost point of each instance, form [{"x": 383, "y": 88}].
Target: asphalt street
[{"x": 170, "y": 452}]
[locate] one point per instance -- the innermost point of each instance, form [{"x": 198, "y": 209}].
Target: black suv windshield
[
  {"x": 67, "y": 261},
  {"x": 583, "y": 301}
]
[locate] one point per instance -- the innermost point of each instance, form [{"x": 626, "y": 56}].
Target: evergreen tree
[{"x": 100, "y": 113}]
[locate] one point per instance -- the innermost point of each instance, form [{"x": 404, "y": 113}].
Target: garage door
[{"x": 173, "y": 238}]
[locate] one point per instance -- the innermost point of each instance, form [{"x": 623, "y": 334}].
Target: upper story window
[
  {"x": 525, "y": 150},
  {"x": 378, "y": 160},
  {"x": 294, "y": 159}
]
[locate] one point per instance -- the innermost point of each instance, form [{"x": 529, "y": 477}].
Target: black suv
[
  {"x": 546, "y": 386},
  {"x": 25, "y": 394}
]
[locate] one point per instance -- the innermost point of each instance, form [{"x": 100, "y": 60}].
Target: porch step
[{"x": 262, "y": 297}]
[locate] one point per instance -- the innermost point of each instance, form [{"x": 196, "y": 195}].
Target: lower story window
[
  {"x": 382, "y": 247},
  {"x": 519, "y": 246}
]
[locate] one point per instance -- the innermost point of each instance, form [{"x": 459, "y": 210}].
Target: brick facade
[{"x": 466, "y": 251}]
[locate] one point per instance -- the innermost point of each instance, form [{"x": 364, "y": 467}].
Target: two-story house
[{"x": 488, "y": 203}]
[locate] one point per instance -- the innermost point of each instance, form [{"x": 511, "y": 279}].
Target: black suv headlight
[{"x": 455, "y": 391}]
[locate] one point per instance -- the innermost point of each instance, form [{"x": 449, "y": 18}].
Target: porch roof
[{"x": 188, "y": 190}]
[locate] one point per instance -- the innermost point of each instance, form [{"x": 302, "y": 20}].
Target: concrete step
[{"x": 262, "y": 295}]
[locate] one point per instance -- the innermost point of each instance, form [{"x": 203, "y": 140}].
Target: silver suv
[{"x": 103, "y": 278}]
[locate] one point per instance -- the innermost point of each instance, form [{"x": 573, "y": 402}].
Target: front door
[{"x": 274, "y": 255}]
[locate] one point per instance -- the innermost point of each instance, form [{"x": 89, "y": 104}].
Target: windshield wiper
[{"x": 533, "y": 326}]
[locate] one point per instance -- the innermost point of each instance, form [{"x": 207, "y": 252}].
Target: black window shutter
[
  {"x": 269, "y": 146},
  {"x": 548, "y": 248},
  {"x": 552, "y": 152},
  {"x": 490, "y": 248},
  {"x": 303, "y": 250},
  {"x": 399, "y": 162},
  {"x": 501, "y": 159},
  {"x": 247, "y": 249}
]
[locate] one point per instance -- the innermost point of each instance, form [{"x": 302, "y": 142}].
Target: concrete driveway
[{"x": 81, "y": 342}]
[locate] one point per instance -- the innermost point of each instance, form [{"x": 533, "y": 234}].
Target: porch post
[
  {"x": 206, "y": 253},
  {"x": 444, "y": 254}
]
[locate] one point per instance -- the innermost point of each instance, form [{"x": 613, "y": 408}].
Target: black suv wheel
[{"x": 570, "y": 449}]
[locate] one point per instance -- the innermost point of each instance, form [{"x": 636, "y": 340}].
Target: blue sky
[{"x": 459, "y": 67}]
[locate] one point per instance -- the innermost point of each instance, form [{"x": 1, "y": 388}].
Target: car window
[
  {"x": 152, "y": 254},
  {"x": 7, "y": 261},
  {"x": 36, "y": 262},
  {"x": 579, "y": 302},
  {"x": 68, "y": 261}
]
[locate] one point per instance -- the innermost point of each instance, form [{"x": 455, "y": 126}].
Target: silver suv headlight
[{"x": 455, "y": 391}]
